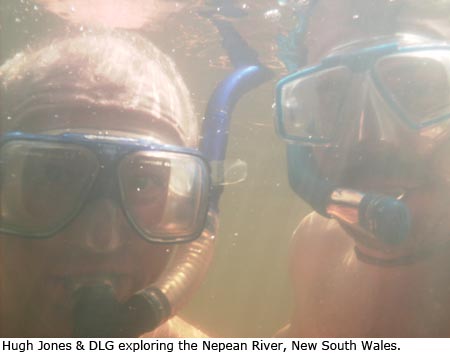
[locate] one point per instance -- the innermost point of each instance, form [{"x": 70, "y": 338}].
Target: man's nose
[
  {"x": 100, "y": 227},
  {"x": 370, "y": 120},
  {"x": 375, "y": 125}
]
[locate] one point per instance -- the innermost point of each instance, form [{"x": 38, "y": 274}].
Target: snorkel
[
  {"x": 151, "y": 307},
  {"x": 385, "y": 220}
]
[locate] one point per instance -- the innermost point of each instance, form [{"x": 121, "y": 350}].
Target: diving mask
[
  {"x": 46, "y": 180},
  {"x": 412, "y": 80}
]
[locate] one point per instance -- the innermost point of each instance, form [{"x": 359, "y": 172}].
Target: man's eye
[{"x": 142, "y": 183}]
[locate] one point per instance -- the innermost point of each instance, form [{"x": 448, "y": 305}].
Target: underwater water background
[{"x": 246, "y": 292}]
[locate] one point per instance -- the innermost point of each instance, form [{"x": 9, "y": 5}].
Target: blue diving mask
[
  {"x": 46, "y": 180},
  {"x": 413, "y": 81},
  {"x": 406, "y": 85}
]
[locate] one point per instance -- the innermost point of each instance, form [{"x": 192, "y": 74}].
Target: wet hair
[{"x": 111, "y": 70}]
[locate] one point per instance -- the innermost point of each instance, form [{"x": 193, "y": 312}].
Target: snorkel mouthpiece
[
  {"x": 97, "y": 313},
  {"x": 142, "y": 313},
  {"x": 386, "y": 218}
]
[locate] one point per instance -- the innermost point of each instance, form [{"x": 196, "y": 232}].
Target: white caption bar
[{"x": 226, "y": 345}]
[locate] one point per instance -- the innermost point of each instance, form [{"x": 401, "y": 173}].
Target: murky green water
[{"x": 247, "y": 290}]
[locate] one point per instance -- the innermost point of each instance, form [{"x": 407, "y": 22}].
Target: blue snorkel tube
[
  {"x": 386, "y": 220},
  {"x": 151, "y": 307},
  {"x": 248, "y": 74}
]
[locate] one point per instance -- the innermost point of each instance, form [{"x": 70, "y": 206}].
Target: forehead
[
  {"x": 94, "y": 120},
  {"x": 335, "y": 23}
]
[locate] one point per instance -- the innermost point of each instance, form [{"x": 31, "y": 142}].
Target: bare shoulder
[
  {"x": 176, "y": 327},
  {"x": 318, "y": 242},
  {"x": 321, "y": 253},
  {"x": 315, "y": 230}
]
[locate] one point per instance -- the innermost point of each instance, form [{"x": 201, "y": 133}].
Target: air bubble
[{"x": 273, "y": 15}]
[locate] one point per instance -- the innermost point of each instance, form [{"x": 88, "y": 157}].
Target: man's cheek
[
  {"x": 331, "y": 163},
  {"x": 430, "y": 210}
]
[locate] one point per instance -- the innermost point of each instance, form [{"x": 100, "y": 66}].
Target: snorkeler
[
  {"x": 104, "y": 198},
  {"x": 365, "y": 112}
]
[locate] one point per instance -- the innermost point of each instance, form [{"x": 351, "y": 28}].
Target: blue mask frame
[
  {"x": 357, "y": 61},
  {"x": 110, "y": 151}
]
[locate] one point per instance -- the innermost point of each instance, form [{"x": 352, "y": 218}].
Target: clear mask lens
[
  {"x": 311, "y": 104},
  {"x": 164, "y": 194},
  {"x": 418, "y": 84},
  {"x": 42, "y": 185}
]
